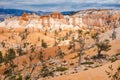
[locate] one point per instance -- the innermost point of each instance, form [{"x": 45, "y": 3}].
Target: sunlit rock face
[
  {"x": 51, "y": 21},
  {"x": 55, "y": 20},
  {"x": 100, "y": 18},
  {"x": 56, "y": 15}
]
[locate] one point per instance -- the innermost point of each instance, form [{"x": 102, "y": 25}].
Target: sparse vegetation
[
  {"x": 60, "y": 53},
  {"x": 43, "y": 44},
  {"x": 89, "y": 63},
  {"x": 57, "y": 48},
  {"x": 1, "y": 57},
  {"x": 113, "y": 34},
  {"x": 113, "y": 74},
  {"x": 61, "y": 69},
  {"x": 102, "y": 46}
]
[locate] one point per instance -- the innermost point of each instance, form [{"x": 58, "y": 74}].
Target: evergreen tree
[
  {"x": 113, "y": 35},
  {"x": 60, "y": 53},
  {"x": 45, "y": 71},
  {"x": 10, "y": 56},
  {"x": 102, "y": 46},
  {"x": 1, "y": 57},
  {"x": 43, "y": 44}
]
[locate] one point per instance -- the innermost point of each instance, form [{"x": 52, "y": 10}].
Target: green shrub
[
  {"x": 61, "y": 69},
  {"x": 96, "y": 66},
  {"x": 117, "y": 54},
  {"x": 86, "y": 69},
  {"x": 74, "y": 57},
  {"x": 100, "y": 56},
  {"x": 113, "y": 59},
  {"x": 45, "y": 71},
  {"x": 44, "y": 44},
  {"x": 87, "y": 63},
  {"x": 71, "y": 64}
]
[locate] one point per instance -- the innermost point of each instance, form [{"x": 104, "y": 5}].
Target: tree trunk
[
  {"x": 99, "y": 53},
  {"x": 79, "y": 60}
]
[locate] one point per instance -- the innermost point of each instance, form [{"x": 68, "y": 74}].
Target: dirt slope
[{"x": 92, "y": 74}]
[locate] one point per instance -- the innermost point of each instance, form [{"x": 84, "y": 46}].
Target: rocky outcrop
[
  {"x": 52, "y": 21},
  {"x": 55, "y": 20},
  {"x": 100, "y": 18}
]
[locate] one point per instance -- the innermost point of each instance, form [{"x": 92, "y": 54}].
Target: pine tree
[
  {"x": 102, "y": 46},
  {"x": 43, "y": 44},
  {"x": 1, "y": 57},
  {"x": 10, "y": 55},
  {"x": 113, "y": 35}
]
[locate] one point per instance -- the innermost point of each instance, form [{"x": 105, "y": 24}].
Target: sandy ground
[{"x": 92, "y": 74}]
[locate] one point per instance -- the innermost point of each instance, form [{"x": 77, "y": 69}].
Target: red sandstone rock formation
[
  {"x": 56, "y": 15},
  {"x": 100, "y": 18}
]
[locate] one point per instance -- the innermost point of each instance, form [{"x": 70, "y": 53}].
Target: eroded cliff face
[
  {"x": 48, "y": 22},
  {"x": 100, "y": 18},
  {"x": 86, "y": 18}
]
